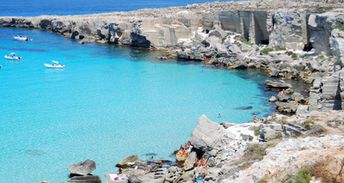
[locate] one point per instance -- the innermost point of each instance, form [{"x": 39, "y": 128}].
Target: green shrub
[
  {"x": 294, "y": 56},
  {"x": 265, "y": 179},
  {"x": 302, "y": 176},
  {"x": 321, "y": 56},
  {"x": 245, "y": 41},
  {"x": 280, "y": 49},
  {"x": 322, "y": 9},
  {"x": 255, "y": 129},
  {"x": 256, "y": 151},
  {"x": 289, "y": 53},
  {"x": 266, "y": 50},
  {"x": 339, "y": 26},
  {"x": 316, "y": 130},
  {"x": 307, "y": 124}
]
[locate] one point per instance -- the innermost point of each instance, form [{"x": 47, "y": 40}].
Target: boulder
[
  {"x": 212, "y": 162},
  {"x": 134, "y": 179},
  {"x": 277, "y": 84},
  {"x": 128, "y": 160},
  {"x": 190, "y": 161},
  {"x": 298, "y": 97},
  {"x": 206, "y": 134},
  {"x": 287, "y": 107},
  {"x": 282, "y": 96},
  {"x": 273, "y": 99},
  {"x": 273, "y": 131},
  {"x": 302, "y": 110},
  {"x": 82, "y": 168}
]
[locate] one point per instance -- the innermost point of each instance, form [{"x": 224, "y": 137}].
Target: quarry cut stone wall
[
  {"x": 289, "y": 30},
  {"x": 327, "y": 93},
  {"x": 251, "y": 24}
]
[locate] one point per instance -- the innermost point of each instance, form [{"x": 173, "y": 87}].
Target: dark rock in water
[
  {"x": 277, "y": 84},
  {"x": 151, "y": 154},
  {"x": 244, "y": 108},
  {"x": 35, "y": 152},
  {"x": 82, "y": 168},
  {"x": 85, "y": 179}
]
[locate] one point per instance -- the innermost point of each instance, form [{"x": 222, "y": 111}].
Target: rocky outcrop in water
[
  {"x": 81, "y": 172},
  {"x": 83, "y": 168},
  {"x": 200, "y": 138}
]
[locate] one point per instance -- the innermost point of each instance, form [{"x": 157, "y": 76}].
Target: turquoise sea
[
  {"x": 106, "y": 104},
  {"x": 73, "y": 7}
]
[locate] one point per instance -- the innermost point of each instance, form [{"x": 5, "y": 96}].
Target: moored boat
[
  {"x": 12, "y": 56},
  {"x": 21, "y": 38},
  {"x": 54, "y": 65}
]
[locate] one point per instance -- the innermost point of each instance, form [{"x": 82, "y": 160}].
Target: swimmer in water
[{"x": 219, "y": 115}]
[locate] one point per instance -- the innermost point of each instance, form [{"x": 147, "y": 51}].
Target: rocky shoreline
[{"x": 302, "y": 40}]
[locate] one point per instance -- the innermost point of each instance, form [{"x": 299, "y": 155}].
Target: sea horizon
[{"x": 80, "y": 7}]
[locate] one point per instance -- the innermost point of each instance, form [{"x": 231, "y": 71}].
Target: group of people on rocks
[
  {"x": 184, "y": 151},
  {"x": 261, "y": 127},
  {"x": 200, "y": 163},
  {"x": 257, "y": 120}
]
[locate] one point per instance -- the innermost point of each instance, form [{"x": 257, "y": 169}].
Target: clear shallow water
[
  {"x": 67, "y": 7},
  {"x": 106, "y": 104}
]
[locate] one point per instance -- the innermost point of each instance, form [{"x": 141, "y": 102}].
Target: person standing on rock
[
  {"x": 254, "y": 118},
  {"x": 261, "y": 133}
]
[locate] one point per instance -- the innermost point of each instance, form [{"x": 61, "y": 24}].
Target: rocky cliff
[{"x": 163, "y": 28}]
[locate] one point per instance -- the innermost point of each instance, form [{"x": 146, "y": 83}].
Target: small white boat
[
  {"x": 54, "y": 65},
  {"x": 21, "y": 38},
  {"x": 12, "y": 56}
]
